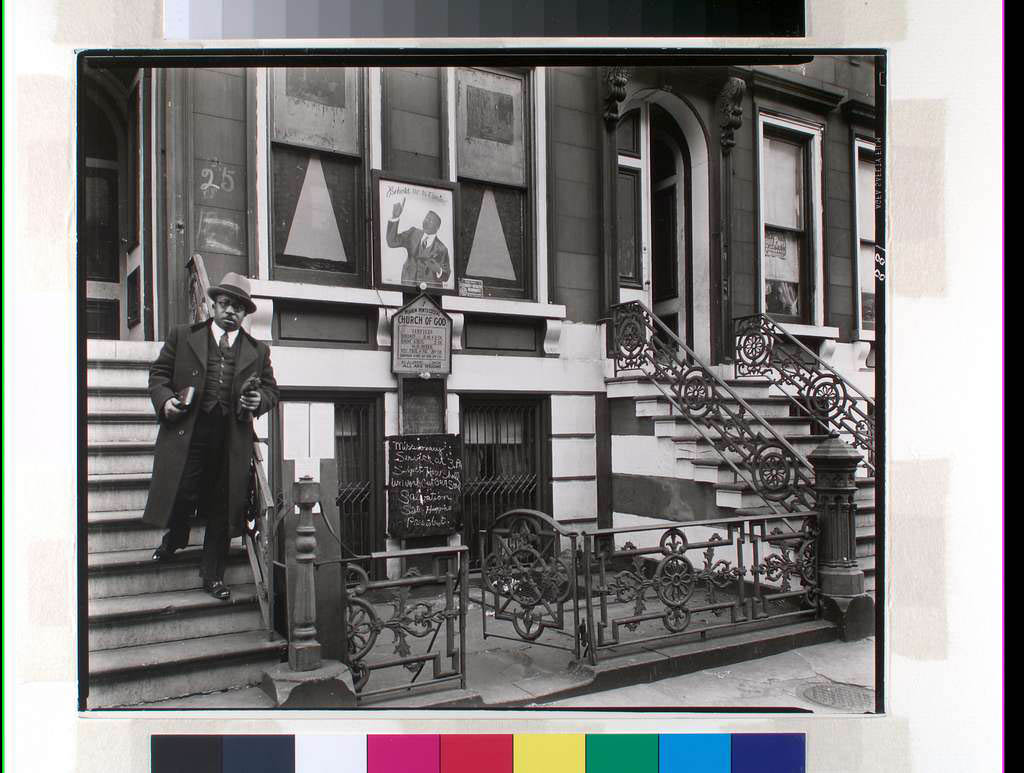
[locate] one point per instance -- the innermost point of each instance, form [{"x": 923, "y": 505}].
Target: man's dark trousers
[{"x": 202, "y": 487}]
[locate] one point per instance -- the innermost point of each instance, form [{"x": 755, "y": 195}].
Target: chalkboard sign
[{"x": 425, "y": 486}]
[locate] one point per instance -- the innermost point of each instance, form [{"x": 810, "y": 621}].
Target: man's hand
[
  {"x": 250, "y": 401},
  {"x": 174, "y": 409},
  {"x": 396, "y": 211}
]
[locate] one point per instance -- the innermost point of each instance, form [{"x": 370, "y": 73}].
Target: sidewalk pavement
[{"x": 768, "y": 668}]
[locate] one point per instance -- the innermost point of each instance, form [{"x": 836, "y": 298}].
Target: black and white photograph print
[
  {"x": 651, "y": 476},
  {"x": 415, "y": 232}
]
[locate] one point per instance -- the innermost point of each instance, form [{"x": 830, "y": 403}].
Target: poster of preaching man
[{"x": 416, "y": 233}]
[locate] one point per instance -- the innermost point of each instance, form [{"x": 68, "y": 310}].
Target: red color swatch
[
  {"x": 475, "y": 753},
  {"x": 402, "y": 753}
]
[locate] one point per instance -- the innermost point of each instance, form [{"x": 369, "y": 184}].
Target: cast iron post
[
  {"x": 304, "y": 649},
  {"x": 841, "y": 581}
]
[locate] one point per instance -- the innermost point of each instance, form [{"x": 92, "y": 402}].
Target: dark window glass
[
  {"x": 101, "y": 319},
  {"x": 317, "y": 214},
  {"x": 100, "y": 245},
  {"x": 665, "y": 247},
  {"x": 627, "y": 135},
  {"x": 628, "y": 225},
  {"x": 492, "y": 237}
]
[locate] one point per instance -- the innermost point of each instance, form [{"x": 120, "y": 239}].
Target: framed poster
[{"x": 414, "y": 237}]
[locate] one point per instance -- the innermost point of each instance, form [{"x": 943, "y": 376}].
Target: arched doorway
[{"x": 663, "y": 214}]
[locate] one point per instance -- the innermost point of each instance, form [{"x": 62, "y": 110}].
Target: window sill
[
  {"x": 865, "y": 335},
  {"x": 809, "y": 331},
  {"x": 502, "y": 306},
  {"x": 275, "y": 289}
]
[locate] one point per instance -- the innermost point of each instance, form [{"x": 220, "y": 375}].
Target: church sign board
[
  {"x": 424, "y": 485},
  {"x": 421, "y": 339}
]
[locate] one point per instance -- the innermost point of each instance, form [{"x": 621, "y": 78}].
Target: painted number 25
[{"x": 210, "y": 185}]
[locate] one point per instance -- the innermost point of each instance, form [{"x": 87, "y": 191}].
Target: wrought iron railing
[
  {"x": 765, "y": 348},
  {"x": 528, "y": 574},
  {"x": 599, "y": 590},
  {"x": 696, "y": 578},
  {"x": 262, "y": 509},
  {"x": 423, "y": 611},
  {"x": 755, "y": 452}
]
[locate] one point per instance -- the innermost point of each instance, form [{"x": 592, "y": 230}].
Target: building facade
[{"x": 705, "y": 193}]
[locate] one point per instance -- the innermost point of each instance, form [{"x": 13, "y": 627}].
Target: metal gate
[
  {"x": 357, "y": 445},
  {"x": 502, "y": 461}
]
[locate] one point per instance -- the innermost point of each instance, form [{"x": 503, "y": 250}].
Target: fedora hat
[{"x": 235, "y": 285}]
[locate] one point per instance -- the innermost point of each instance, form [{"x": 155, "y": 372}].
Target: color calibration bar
[{"x": 539, "y": 753}]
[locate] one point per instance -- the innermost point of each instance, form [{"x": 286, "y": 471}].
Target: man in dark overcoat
[{"x": 205, "y": 444}]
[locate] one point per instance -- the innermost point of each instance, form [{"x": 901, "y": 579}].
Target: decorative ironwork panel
[
  {"x": 655, "y": 583},
  {"x": 529, "y": 579},
  {"x": 405, "y": 634},
  {"x": 502, "y": 469},
  {"x": 355, "y": 443},
  {"x": 764, "y": 348},
  {"x": 753, "y": 449}
]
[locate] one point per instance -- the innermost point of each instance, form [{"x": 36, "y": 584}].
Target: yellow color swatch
[{"x": 550, "y": 753}]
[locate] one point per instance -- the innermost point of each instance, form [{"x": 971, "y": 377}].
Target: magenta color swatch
[{"x": 403, "y": 754}]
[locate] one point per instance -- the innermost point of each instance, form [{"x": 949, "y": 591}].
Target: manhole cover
[{"x": 841, "y": 696}]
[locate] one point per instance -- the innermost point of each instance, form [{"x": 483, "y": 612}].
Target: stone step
[
  {"x": 641, "y": 387},
  {"x": 133, "y": 572},
  {"x": 151, "y": 672},
  {"x": 128, "y": 621},
  {"x": 118, "y": 400},
  {"x": 118, "y": 491},
  {"x": 700, "y": 450},
  {"x": 141, "y": 352},
  {"x": 736, "y": 496},
  {"x": 767, "y": 407},
  {"x": 120, "y": 457},
  {"x": 113, "y": 530},
  {"x": 678, "y": 428},
  {"x": 117, "y": 375},
  {"x": 109, "y": 427}
]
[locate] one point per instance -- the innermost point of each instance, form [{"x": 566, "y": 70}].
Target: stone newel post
[
  {"x": 841, "y": 581},
  {"x": 304, "y": 649}
]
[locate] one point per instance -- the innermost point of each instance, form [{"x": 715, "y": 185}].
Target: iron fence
[
  {"x": 424, "y": 612},
  {"x": 528, "y": 578},
  {"x": 595, "y": 591}
]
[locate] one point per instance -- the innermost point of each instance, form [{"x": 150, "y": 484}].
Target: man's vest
[{"x": 220, "y": 372}]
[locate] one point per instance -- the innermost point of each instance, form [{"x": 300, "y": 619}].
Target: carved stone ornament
[
  {"x": 616, "y": 79},
  {"x": 730, "y": 111}
]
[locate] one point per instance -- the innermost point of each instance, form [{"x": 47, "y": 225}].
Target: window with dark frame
[
  {"x": 317, "y": 175},
  {"x": 492, "y": 162},
  {"x": 787, "y": 225},
  {"x": 866, "y": 233}
]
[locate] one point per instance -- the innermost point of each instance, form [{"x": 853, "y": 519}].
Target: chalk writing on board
[
  {"x": 222, "y": 231},
  {"x": 425, "y": 485}
]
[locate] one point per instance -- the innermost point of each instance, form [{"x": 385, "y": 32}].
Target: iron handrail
[
  {"x": 258, "y": 538},
  {"x": 826, "y": 394},
  {"x": 777, "y": 472}
]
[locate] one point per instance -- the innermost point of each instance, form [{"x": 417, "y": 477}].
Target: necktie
[
  {"x": 423, "y": 244},
  {"x": 225, "y": 347}
]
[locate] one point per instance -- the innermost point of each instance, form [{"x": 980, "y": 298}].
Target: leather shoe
[
  {"x": 217, "y": 589},
  {"x": 163, "y": 553}
]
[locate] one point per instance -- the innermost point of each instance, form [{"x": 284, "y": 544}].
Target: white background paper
[{"x": 944, "y": 281}]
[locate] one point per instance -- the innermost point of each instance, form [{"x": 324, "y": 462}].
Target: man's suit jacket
[
  {"x": 431, "y": 265},
  {"x": 180, "y": 364}
]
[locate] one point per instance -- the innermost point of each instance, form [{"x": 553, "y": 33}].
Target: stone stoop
[
  {"x": 696, "y": 459},
  {"x": 153, "y": 633}
]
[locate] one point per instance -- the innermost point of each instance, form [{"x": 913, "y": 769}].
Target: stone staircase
[
  {"x": 695, "y": 459},
  {"x": 153, "y": 633}
]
